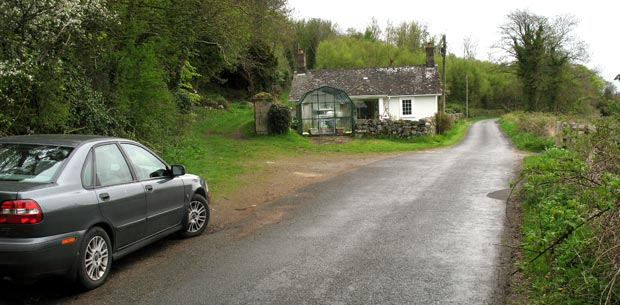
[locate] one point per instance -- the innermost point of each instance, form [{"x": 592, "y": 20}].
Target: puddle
[{"x": 500, "y": 195}]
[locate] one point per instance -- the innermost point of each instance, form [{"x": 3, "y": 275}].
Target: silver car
[{"x": 72, "y": 204}]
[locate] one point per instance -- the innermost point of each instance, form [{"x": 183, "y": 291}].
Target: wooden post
[{"x": 444, "y": 50}]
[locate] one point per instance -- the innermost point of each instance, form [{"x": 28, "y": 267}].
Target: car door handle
[
  {"x": 104, "y": 196},
  {"x": 148, "y": 188}
]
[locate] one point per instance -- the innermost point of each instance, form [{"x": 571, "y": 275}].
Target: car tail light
[{"x": 20, "y": 211}]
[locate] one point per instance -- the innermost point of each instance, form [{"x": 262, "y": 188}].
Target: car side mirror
[{"x": 178, "y": 170}]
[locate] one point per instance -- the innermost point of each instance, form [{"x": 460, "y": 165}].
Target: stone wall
[{"x": 399, "y": 129}]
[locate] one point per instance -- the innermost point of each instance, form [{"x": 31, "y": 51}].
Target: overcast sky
[{"x": 480, "y": 20}]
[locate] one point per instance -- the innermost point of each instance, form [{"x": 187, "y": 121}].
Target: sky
[{"x": 480, "y": 21}]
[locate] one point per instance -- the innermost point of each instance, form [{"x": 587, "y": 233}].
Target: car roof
[{"x": 71, "y": 140}]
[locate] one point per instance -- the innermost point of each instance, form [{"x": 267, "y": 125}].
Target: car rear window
[{"x": 30, "y": 162}]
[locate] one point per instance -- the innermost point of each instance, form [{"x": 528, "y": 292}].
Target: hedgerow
[{"x": 571, "y": 222}]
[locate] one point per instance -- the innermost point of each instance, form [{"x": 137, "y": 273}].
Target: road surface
[{"x": 422, "y": 228}]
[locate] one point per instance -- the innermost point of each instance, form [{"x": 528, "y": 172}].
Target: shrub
[
  {"x": 279, "y": 118},
  {"x": 443, "y": 122},
  {"x": 536, "y": 123},
  {"x": 571, "y": 214}
]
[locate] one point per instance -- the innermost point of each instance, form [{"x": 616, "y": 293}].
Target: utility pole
[{"x": 443, "y": 54}]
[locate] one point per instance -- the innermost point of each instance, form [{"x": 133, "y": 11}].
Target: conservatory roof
[
  {"x": 338, "y": 94},
  {"x": 387, "y": 81}
]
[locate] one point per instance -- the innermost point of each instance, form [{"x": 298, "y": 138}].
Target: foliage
[
  {"x": 555, "y": 81},
  {"x": 443, "y": 122},
  {"x": 308, "y": 35},
  {"x": 355, "y": 52},
  {"x": 537, "y": 123},
  {"x": 411, "y": 36},
  {"x": 279, "y": 117},
  {"x": 543, "y": 50},
  {"x": 130, "y": 68},
  {"x": 571, "y": 219},
  {"x": 529, "y": 131}
]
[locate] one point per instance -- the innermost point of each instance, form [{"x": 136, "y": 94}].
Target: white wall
[{"x": 422, "y": 107}]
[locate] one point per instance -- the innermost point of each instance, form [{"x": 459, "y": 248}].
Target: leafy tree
[
  {"x": 36, "y": 39},
  {"x": 308, "y": 35},
  {"x": 357, "y": 52},
  {"x": 542, "y": 49},
  {"x": 412, "y": 36}
]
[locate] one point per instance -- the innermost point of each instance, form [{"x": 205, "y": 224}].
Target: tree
[
  {"x": 37, "y": 61},
  {"x": 308, "y": 35},
  {"x": 412, "y": 36},
  {"x": 541, "y": 50},
  {"x": 470, "y": 48},
  {"x": 373, "y": 31}
]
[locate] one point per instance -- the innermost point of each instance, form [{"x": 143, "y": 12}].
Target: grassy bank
[
  {"x": 528, "y": 131},
  {"x": 222, "y": 146},
  {"x": 570, "y": 218}
]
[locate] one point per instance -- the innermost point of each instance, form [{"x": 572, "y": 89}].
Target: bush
[
  {"x": 443, "y": 122},
  {"x": 524, "y": 140},
  {"x": 536, "y": 123},
  {"x": 279, "y": 117},
  {"x": 571, "y": 220}
]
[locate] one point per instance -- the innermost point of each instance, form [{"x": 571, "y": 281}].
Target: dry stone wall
[{"x": 399, "y": 129}]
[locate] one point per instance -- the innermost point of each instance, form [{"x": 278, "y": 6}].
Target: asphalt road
[{"x": 423, "y": 228}]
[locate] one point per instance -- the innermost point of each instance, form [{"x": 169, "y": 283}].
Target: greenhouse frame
[{"x": 326, "y": 111}]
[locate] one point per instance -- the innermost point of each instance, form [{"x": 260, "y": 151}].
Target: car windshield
[{"x": 31, "y": 162}]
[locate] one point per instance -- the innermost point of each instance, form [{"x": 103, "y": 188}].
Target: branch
[
  {"x": 219, "y": 47},
  {"x": 568, "y": 233}
]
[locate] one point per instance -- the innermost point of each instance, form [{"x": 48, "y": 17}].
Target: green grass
[
  {"x": 222, "y": 146},
  {"x": 525, "y": 140}
]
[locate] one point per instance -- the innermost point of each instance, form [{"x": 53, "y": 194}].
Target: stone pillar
[{"x": 262, "y": 102}]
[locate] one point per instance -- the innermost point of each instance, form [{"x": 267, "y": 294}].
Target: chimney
[
  {"x": 430, "y": 55},
  {"x": 300, "y": 61}
]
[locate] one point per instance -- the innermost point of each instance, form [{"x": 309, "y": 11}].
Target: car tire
[
  {"x": 95, "y": 259},
  {"x": 196, "y": 216}
]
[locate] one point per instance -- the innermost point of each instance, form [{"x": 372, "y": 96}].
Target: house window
[{"x": 407, "y": 107}]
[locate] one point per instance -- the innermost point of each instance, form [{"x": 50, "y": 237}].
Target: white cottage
[{"x": 396, "y": 93}]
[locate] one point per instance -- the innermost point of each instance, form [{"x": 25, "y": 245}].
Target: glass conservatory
[{"x": 325, "y": 111}]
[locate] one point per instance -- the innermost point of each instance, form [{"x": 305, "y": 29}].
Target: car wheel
[
  {"x": 196, "y": 216},
  {"x": 95, "y": 259}
]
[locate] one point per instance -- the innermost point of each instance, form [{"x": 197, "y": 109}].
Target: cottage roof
[{"x": 387, "y": 81}]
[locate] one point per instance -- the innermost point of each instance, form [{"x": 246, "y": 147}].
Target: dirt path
[{"x": 278, "y": 177}]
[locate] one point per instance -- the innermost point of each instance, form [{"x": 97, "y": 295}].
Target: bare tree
[
  {"x": 373, "y": 30},
  {"x": 470, "y": 48}
]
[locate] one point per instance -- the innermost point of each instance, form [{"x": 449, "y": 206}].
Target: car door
[
  {"x": 122, "y": 199},
  {"x": 165, "y": 195}
]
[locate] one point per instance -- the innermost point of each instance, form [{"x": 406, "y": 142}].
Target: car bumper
[{"x": 26, "y": 258}]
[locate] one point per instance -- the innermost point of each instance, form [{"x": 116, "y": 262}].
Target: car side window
[
  {"x": 87, "y": 172},
  {"x": 111, "y": 167},
  {"x": 147, "y": 166}
]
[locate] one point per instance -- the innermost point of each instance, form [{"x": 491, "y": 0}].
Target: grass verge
[
  {"x": 524, "y": 140},
  {"x": 222, "y": 146}
]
